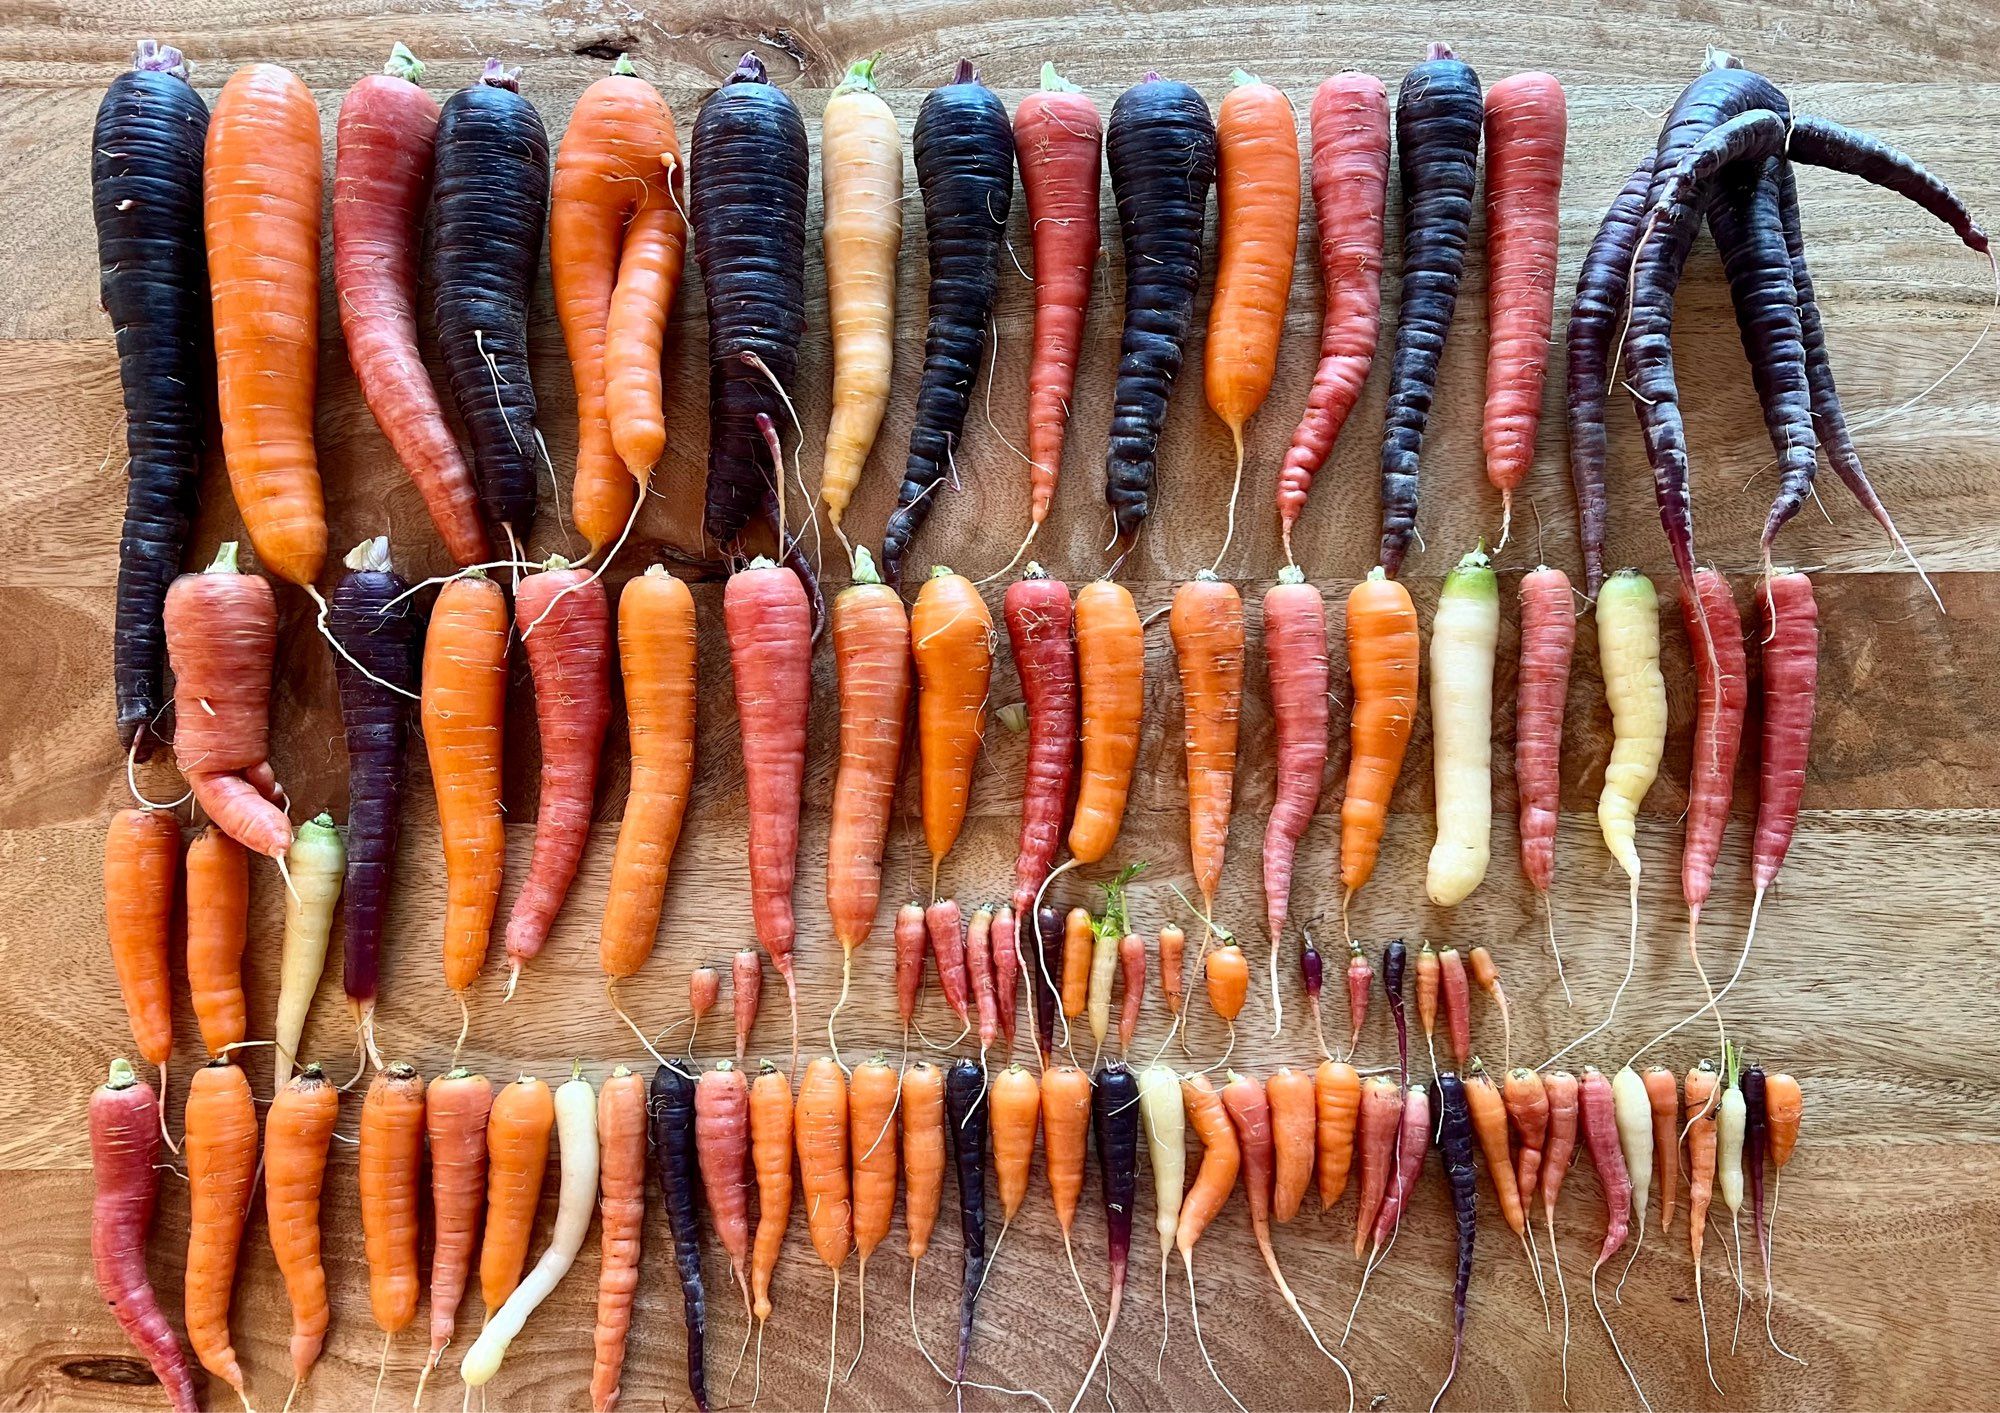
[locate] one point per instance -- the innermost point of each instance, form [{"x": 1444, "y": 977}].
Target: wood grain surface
[{"x": 1872, "y": 979}]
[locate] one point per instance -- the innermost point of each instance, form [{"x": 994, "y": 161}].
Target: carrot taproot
[
  {"x": 1597, "y": 1109},
  {"x": 1257, "y": 217},
  {"x": 951, "y": 640},
  {"x": 1699, "y": 1092},
  {"x": 1106, "y": 933},
  {"x": 1038, "y": 613},
  {"x": 1336, "y": 1111},
  {"x": 316, "y": 866},
  {"x": 1429, "y": 982},
  {"x": 125, "y": 1135},
  {"x": 1360, "y": 986},
  {"x": 1632, "y": 1115},
  {"x": 1016, "y": 1097},
  {"x": 222, "y": 632},
  {"x": 1115, "y": 1113},
  {"x": 1560, "y": 1090},
  {"x": 769, "y": 625},
  {"x": 464, "y": 712},
  {"x": 1395, "y": 961},
  {"x": 979, "y": 970},
  {"x": 391, "y": 1170},
  {"x": 1164, "y": 1115},
  {"x": 1488, "y": 1112},
  {"x": 1412, "y": 1141},
  {"x": 722, "y": 1149},
  {"x": 871, "y": 654},
  {"x": 746, "y": 986},
  {"x": 1527, "y": 121},
  {"x": 1079, "y": 950},
  {"x": 1382, "y": 656},
  {"x": 517, "y": 1158},
  {"x": 1664, "y": 1100},
  {"x": 1131, "y": 988},
  {"x": 912, "y": 938},
  {"x": 1350, "y": 182},
  {"x": 296, "y": 1135},
  {"x": 771, "y": 1156},
  {"x": 1059, "y": 142},
  {"x": 1464, "y": 636},
  {"x": 1301, "y": 679},
  {"x": 1783, "y": 1106},
  {"x": 1378, "y": 1115},
  {"x": 261, "y": 203},
  {"x": 1312, "y": 977},
  {"x": 670, "y": 1135},
  {"x": 219, "y": 1140},
  {"x": 873, "y": 1092},
  {"x": 923, "y": 1153},
  {"x": 1548, "y": 638},
  {"x": 861, "y": 194},
  {"x": 621, "y": 1214},
  {"x": 1007, "y": 972},
  {"x": 657, "y": 663},
  {"x": 1455, "y": 994},
  {"x": 141, "y": 858},
  {"x": 457, "y": 1109},
  {"x": 704, "y": 988},
  {"x": 617, "y": 240},
  {"x": 1455, "y": 1149},
  {"x": 820, "y": 1135},
  {"x": 1173, "y": 950},
  {"x": 1226, "y": 973},
  {"x": 1214, "y": 1180},
  {"x": 944, "y": 924},
  {"x": 1207, "y": 625},
  {"x": 1486, "y": 976},
  {"x": 1066, "y": 1102},
  {"x": 1294, "y": 1138},
  {"x": 218, "y": 905},
  {"x": 1722, "y": 693},
  {"x": 1527, "y": 1100},
  {"x": 1111, "y": 678}
]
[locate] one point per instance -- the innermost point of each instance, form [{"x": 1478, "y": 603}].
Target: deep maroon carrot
[
  {"x": 945, "y": 923},
  {"x": 1047, "y": 943},
  {"x": 1395, "y": 958}
]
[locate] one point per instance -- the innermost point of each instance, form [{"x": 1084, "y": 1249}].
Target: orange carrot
[
  {"x": 1173, "y": 948},
  {"x": 391, "y": 1168},
  {"x": 1207, "y": 624},
  {"x": 1066, "y": 1094},
  {"x": 1079, "y": 939},
  {"x": 517, "y": 1156},
  {"x": 218, "y": 908},
  {"x": 261, "y": 209},
  {"x": 1336, "y": 1109},
  {"x": 1221, "y": 1157},
  {"x": 1111, "y": 679},
  {"x": 1294, "y": 1138},
  {"x": 771, "y": 1156},
  {"x": 819, "y": 1130},
  {"x": 220, "y": 1143},
  {"x": 616, "y": 242},
  {"x": 1382, "y": 653},
  {"x": 923, "y": 1155},
  {"x": 1784, "y": 1104},
  {"x": 296, "y": 1136},
  {"x": 1016, "y": 1100},
  {"x": 456, "y": 1110},
  {"x": 1257, "y": 222},
  {"x": 464, "y": 720},
  {"x": 951, "y": 638},
  {"x": 872, "y": 1093},
  {"x": 656, "y": 656},
  {"x": 621, "y": 1177},
  {"x": 141, "y": 856},
  {"x": 1489, "y": 1125},
  {"x": 746, "y": 987},
  {"x": 1664, "y": 1098}
]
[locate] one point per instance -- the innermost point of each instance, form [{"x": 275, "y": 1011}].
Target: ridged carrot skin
[
  {"x": 1722, "y": 694},
  {"x": 951, "y": 638},
  {"x": 1791, "y": 687},
  {"x": 871, "y": 653},
  {"x": 621, "y": 1137},
  {"x": 456, "y": 1108},
  {"x": 1301, "y": 677},
  {"x": 464, "y": 710},
  {"x": 1548, "y": 638},
  {"x": 1038, "y": 613},
  {"x": 1257, "y": 213},
  {"x": 1382, "y": 657},
  {"x": 261, "y": 198},
  {"x": 220, "y": 1147},
  {"x": 1111, "y": 673},
  {"x": 141, "y": 858},
  {"x": 390, "y": 1168},
  {"x": 1207, "y": 625},
  {"x": 295, "y": 1150}
]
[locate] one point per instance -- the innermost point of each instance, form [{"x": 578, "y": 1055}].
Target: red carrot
[
  {"x": 1722, "y": 691},
  {"x": 1296, "y": 654},
  {"x": 1037, "y": 610},
  {"x": 1548, "y": 637},
  {"x": 1600, "y": 1135},
  {"x": 911, "y": 937},
  {"x": 945, "y": 926}
]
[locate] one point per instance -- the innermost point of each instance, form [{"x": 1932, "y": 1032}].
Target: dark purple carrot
[
  {"x": 1312, "y": 973},
  {"x": 378, "y": 631},
  {"x": 125, "y": 1129},
  {"x": 965, "y": 1111},
  {"x": 489, "y": 205},
  {"x": 747, "y": 192},
  {"x": 1455, "y": 1146},
  {"x": 145, "y": 192},
  {"x": 1439, "y": 116},
  {"x": 670, "y": 1129},
  {"x": 1819, "y": 143},
  {"x": 1047, "y": 942},
  {"x": 1756, "y": 1143},
  {"x": 964, "y": 152},
  {"x": 1161, "y": 147},
  {"x": 1395, "y": 958},
  {"x": 1114, "y": 1118},
  {"x": 1601, "y": 286}
]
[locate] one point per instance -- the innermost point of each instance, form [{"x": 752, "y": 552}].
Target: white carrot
[
  {"x": 316, "y": 863},
  {"x": 1463, "y": 638}
]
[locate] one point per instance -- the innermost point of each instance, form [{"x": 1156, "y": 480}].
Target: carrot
[
  {"x": 1115, "y": 1115},
  {"x": 1791, "y": 688},
  {"x": 318, "y": 862},
  {"x": 704, "y": 986},
  {"x": 1360, "y": 984},
  {"x": 1350, "y": 180},
  {"x": 657, "y": 663},
  {"x": 1106, "y": 933},
  {"x": 569, "y": 657},
  {"x": 1731, "y": 1134},
  {"x": 1059, "y": 141},
  {"x": 943, "y": 922},
  {"x": 1632, "y": 1113},
  {"x": 1699, "y": 1090},
  {"x": 768, "y": 619},
  {"x": 1597, "y": 1109},
  {"x": 1066, "y": 1098},
  {"x": 1312, "y": 977},
  {"x": 1038, "y": 613},
  {"x": 1464, "y": 635},
  {"x": 1527, "y": 117},
  {"x": 979, "y": 968},
  {"x": 923, "y": 1153},
  {"x": 1456, "y": 994},
  {"x": 1488, "y": 1112},
  {"x": 1438, "y": 114},
  {"x": 1722, "y": 692},
  {"x": 1301, "y": 678},
  {"x": 464, "y": 722},
  {"x": 1207, "y": 624},
  {"x": 965, "y": 1108},
  {"x": 1255, "y": 1120},
  {"x": 873, "y": 1091},
  {"x": 576, "y": 1128},
  {"x": 222, "y": 629},
  {"x": 621, "y": 1176},
  {"x": 1221, "y": 1158},
  {"x": 1336, "y": 1110},
  {"x": 457, "y": 1107},
  {"x": 1560, "y": 1089},
  {"x": 1548, "y": 638},
  {"x": 1173, "y": 947},
  {"x": 141, "y": 851},
  {"x": 1079, "y": 950},
  {"x": 145, "y": 195},
  {"x": 125, "y": 1134},
  {"x": 1411, "y": 1143},
  {"x": 746, "y": 986},
  {"x": 1527, "y": 1100},
  {"x": 517, "y": 1157},
  {"x": 296, "y": 1136},
  {"x": 871, "y": 654},
  {"x": 670, "y": 1134},
  {"x": 1430, "y": 981},
  {"x": 820, "y": 1134},
  {"x": 1382, "y": 666},
  {"x": 1227, "y": 974},
  {"x": 1395, "y": 960},
  {"x": 1111, "y": 676},
  {"x": 1378, "y": 1116},
  {"x": 911, "y": 937},
  {"x": 951, "y": 638},
  {"x": 391, "y": 1169},
  {"x": 1164, "y": 1114},
  {"x": 771, "y": 1156},
  {"x": 722, "y": 1147},
  {"x": 1007, "y": 973},
  {"x": 1455, "y": 1148},
  {"x": 1783, "y": 1105},
  {"x": 218, "y": 904},
  {"x": 616, "y": 245},
  {"x": 1257, "y": 217},
  {"x": 384, "y": 146},
  {"x": 861, "y": 193},
  {"x": 1664, "y": 1100},
  {"x": 1487, "y": 977},
  {"x": 261, "y": 204},
  {"x": 1016, "y": 1097},
  {"x": 220, "y": 1143},
  {"x": 1132, "y": 988}
]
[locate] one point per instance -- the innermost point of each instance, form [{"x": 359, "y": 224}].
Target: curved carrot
[
  {"x": 517, "y": 1157},
  {"x": 220, "y": 1144},
  {"x": 457, "y": 1107},
  {"x": 1382, "y": 656},
  {"x": 771, "y": 1157},
  {"x": 1111, "y": 676},
  {"x": 1295, "y": 654},
  {"x": 1294, "y": 1138},
  {"x": 296, "y": 1136},
  {"x": 1207, "y": 624},
  {"x": 464, "y": 718},
  {"x": 722, "y": 1148},
  {"x": 218, "y": 907},
  {"x": 141, "y": 857},
  {"x": 951, "y": 638}
]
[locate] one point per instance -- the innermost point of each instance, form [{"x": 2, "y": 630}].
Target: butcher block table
[{"x": 1872, "y": 979}]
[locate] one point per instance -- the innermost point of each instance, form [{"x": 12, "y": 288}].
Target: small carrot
[
  {"x": 1066, "y": 1096},
  {"x": 951, "y": 639},
  {"x": 1336, "y": 1111},
  {"x": 911, "y": 939},
  {"x": 218, "y": 907},
  {"x": 771, "y": 1156},
  {"x": 873, "y": 1091},
  {"x": 141, "y": 857},
  {"x": 464, "y": 722},
  {"x": 943, "y": 924},
  {"x": 1301, "y": 679},
  {"x": 296, "y": 1136},
  {"x": 1221, "y": 1158},
  {"x": 979, "y": 971},
  {"x": 966, "y": 1110},
  {"x": 621, "y": 1208},
  {"x": 1007, "y": 969},
  {"x": 1164, "y": 1114},
  {"x": 317, "y": 866},
  {"x": 1079, "y": 948},
  {"x": 1597, "y": 1108},
  {"x": 722, "y": 1150},
  {"x": 457, "y": 1107},
  {"x": 1039, "y": 613},
  {"x": 704, "y": 989},
  {"x": 1395, "y": 960},
  {"x": 1699, "y": 1093},
  {"x": 1429, "y": 982},
  {"x": 1294, "y": 1138},
  {"x": 1487, "y": 1110},
  {"x": 220, "y": 1143},
  {"x": 391, "y": 1160},
  {"x": 1207, "y": 625},
  {"x": 1486, "y": 976},
  {"x": 1663, "y": 1099},
  {"x": 670, "y": 1125},
  {"x": 1784, "y": 1105},
  {"x": 746, "y": 986},
  {"x": 1378, "y": 1116},
  {"x": 1455, "y": 993},
  {"x": 819, "y": 1132},
  {"x": 1173, "y": 948},
  {"x": 1312, "y": 976},
  {"x": 1360, "y": 984},
  {"x": 1561, "y": 1090},
  {"x": 1464, "y": 634},
  {"x": 1016, "y": 1100},
  {"x": 1114, "y": 1119},
  {"x": 1527, "y": 1100},
  {"x": 1111, "y": 678},
  {"x": 1227, "y": 973},
  {"x": 1132, "y": 988},
  {"x": 517, "y": 1157}
]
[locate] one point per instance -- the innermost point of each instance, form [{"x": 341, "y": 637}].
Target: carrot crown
[
  {"x": 225, "y": 559},
  {"x": 153, "y": 57},
  {"x": 498, "y": 75},
  {"x": 370, "y": 556},
  {"x": 1242, "y": 78},
  {"x": 1034, "y": 570},
  {"x": 122, "y": 1075},
  {"x": 749, "y": 69},
  {"x": 966, "y": 72},
  {"x": 1291, "y": 574},
  {"x": 864, "y": 562},
  {"x": 621, "y": 67},
  {"x": 1053, "y": 82},
  {"x": 860, "y": 76},
  {"x": 403, "y": 64}
]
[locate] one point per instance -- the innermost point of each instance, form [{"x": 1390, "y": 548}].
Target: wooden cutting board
[{"x": 1870, "y": 980}]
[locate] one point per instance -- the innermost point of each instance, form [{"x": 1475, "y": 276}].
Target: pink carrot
[
  {"x": 1006, "y": 970},
  {"x": 746, "y": 987},
  {"x": 911, "y": 937},
  {"x": 1295, "y": 652},
  {"x": 1722, "y": 692},
  {"x": 943, "y": 921}
]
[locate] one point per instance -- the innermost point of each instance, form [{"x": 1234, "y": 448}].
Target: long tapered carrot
[
  {"x": 951, "y": 638},
  {"x": 771, "y": 1157},
  {"x": 621, "y": 1178},
  {"x": 296, "y": 1137},
  {"x": 517, "y": 1158},
  {"x": 141, "y": 857},
  {"x": 464, "y": 718},
  {"x": 1382, "y": 657},
  {"x": 220, "y": 1143},
  {"x": 390, "y": 1172},
  {"x": 261, "y": 209},
  {"x": 1111, "y": 678},
  {"x": 457, "y": 1107},
  {"x": 1207, "y": 624},
  {"x": 218, "y": 908}
]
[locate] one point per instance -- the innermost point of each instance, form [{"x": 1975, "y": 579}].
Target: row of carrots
[{"x": 738, "y": 1139}]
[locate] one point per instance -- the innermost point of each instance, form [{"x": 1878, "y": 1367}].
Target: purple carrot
[
  {"x": 1461, "y": 1175},
  {"x": 1395, "y": 959}
]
